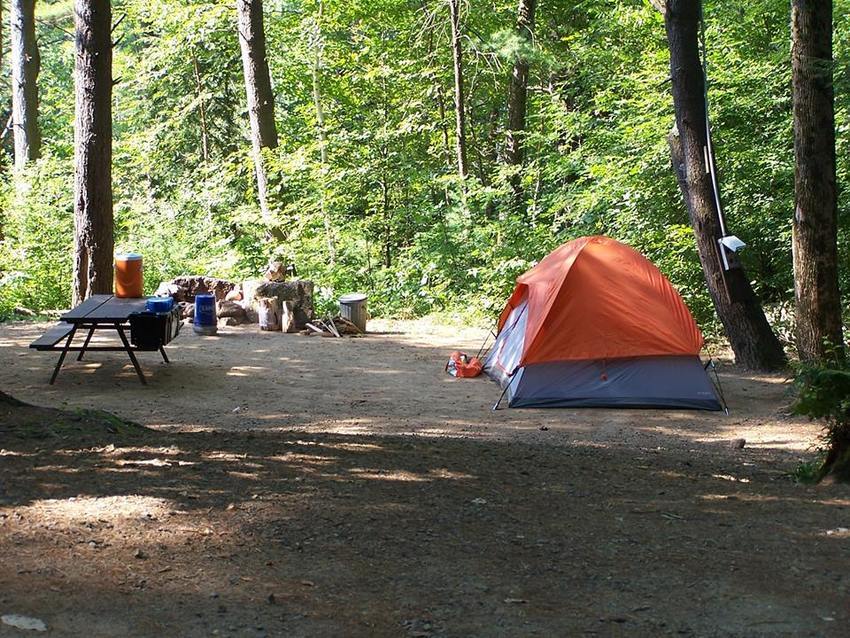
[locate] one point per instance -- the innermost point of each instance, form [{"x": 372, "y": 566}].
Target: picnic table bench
[{"x": 98, "y": 312}]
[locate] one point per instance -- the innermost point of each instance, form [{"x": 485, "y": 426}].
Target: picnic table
[{"x": 98, "y": 312}]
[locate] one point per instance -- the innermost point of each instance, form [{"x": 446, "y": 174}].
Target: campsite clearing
[{"x": 319, "y": 487}]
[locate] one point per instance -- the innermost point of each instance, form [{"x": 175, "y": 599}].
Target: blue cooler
[
  {"x": 159, "y": 304},
  {"x": 205, "y": 320}
]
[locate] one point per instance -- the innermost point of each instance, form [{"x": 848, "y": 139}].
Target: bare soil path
[{"x": 292, "y": 486}]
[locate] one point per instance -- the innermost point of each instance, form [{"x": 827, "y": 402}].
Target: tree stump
[{"x": 269, "y": 310}]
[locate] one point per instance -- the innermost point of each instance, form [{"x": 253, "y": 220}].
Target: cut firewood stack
[{"x": 331, "y": 327}]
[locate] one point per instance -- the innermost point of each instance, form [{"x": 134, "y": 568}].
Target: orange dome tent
[{"x": 595, "y": 323}]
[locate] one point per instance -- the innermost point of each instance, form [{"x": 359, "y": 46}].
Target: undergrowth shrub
[{"x": 824, "y": 395}]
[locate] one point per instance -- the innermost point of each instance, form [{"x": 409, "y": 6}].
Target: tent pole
[
  {"x": 719, "y": 387},
  {"x": 496, "y": 406},
  {"x": 494, "y": 333},
  {"x": 507, "y": 385},
  {"x": 486, "y": 339}
]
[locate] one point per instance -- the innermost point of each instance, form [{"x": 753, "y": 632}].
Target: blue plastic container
[
  {"x": 159, "y": 304},
  {"x": 205, "y": 319}
]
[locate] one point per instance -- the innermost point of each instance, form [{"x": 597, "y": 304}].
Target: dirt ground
[{"x": 293, "y": 486}]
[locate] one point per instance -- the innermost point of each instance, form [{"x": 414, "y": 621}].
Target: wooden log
[
  {"x": 332, "y": 327},
  {"x": 269, "y": 309},
  {"x": 287, "y": 316},
  {"x": 315, "y": 328},
  {"x": 346, "y": 326}
]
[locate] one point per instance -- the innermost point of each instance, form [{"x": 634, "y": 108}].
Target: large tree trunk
[
  {"x": 815, "y": 223},
  {"x": 460, "y": 99},
  {"x": 25, "y": 66},
  {"x": 518, "y": 98},
  {"x": 258, "y": 87},
  {"x": 93, "y": 227},
  {"x": 752, "y": 340}
]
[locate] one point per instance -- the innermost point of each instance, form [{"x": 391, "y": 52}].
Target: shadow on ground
[{"x": 325, "y": 534}]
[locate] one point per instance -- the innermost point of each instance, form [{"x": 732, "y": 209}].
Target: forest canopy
[{"x": 364, "y": 188}]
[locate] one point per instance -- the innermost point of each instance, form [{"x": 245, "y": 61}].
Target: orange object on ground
[
  {"x": 461, "y": 365},
  {"x": 595, "y": 298},
  {"x": 129, "y": 279}
]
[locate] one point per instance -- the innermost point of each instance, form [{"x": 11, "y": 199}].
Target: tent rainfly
[{"x": 596, "y": 324}]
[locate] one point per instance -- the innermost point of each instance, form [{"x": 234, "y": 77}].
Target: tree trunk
[
  {"x": 25, "y": 66},
  {"x": 202, "y": 109},
  {"x": 460, "y": 100},
  {"x": 258, "y": 87},
  {"x": 93, "y": 227},
  {"x": 318, "y": 46},
  {"x": 752, "y": 340},
  {"x": 836, "y": 465},
  {"x": 518, "y": 99},
  {"x": 441, "y": 109},
  {"x": 815, "y": 222},
  {"x": 439, "y": 93}
]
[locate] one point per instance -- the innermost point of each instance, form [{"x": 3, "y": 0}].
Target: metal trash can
[{"x": 353, "y": 307}]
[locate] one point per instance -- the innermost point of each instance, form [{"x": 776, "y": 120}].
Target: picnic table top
[{"x": 105, "y": 309}]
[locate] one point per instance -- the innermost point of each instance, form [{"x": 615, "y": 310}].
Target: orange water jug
[{"x": 129, "y": 281}]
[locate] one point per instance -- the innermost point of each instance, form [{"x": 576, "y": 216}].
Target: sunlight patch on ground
[
  {"x": 154, "y": 462},
  {"x": 727, "y": 477},
  {"x": 838, "y": 532},
  {"x": 304, "y": 459},
  {"x": 60, "y": 469},
  {"x": 387, "y": 475},
  {"x": 353, "y": 447},
  {"x": 224, "y": 456},
  {"x": 245, "y": 371},
  {"x": 111, "y": 450},
  {"x": 13, "y": 453},
  {"x": 808, "y": 497},
  {"x": 443, "y": 473},
  {"x": 251, "y": 476},
  {"x": 270, "y": 417},
  {"x": 102, "y": 508}
]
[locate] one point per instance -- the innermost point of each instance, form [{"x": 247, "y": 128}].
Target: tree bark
[
  {"x": 25, "y": 65},
  {"x": 460, "y": 99},
  {"x": 815, "y": 223},
  {"x": 518, "y": 99},
  {"x": 93, "y": 224},
  {"x": 750, "y": 335},
  {"x": 258, "y": 87}
]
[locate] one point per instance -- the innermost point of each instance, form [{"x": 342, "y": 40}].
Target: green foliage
[
  {"x": 381, "y": 210},
  {"x": 36, "y": 250},
  {"x": 824, "y": 395},
  {"x": 809, "y": 472}
]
